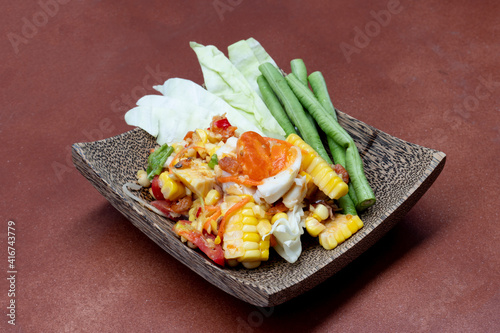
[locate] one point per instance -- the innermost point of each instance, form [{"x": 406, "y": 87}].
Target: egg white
[{"x": 273, "y": 188}]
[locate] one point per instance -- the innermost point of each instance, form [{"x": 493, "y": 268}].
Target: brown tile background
[{"x": 430, "y": 75}]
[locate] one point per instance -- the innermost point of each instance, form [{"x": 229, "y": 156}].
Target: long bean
[
  {"x": 294, "y": 108},
  {"x": 320, "y": 90},
  {"x": 331, "y": 127},
  {"x": 298, "y": 68},
  {"x": 325, "y": 120},
  {"x": 300, "y": 71},
  {"x": 346, "y": 203},
  {"x": 274, "y": 105},
  {"x": 338, "y": 155}
]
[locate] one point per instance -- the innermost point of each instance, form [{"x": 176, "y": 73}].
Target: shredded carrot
[
  {"x": 234, "y": 208},
  {"x": 212, "y": 217},
  {"x": 211, "y": 208},
  {"x": 239, "y": 180},
  {"x": 178, "y": 155}
]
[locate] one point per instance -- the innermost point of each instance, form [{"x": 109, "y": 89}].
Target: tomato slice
[
  {"x": 222, "y": 123},
  {"x": 165, "y": 207},
  {"x": 254, "y": 155},
  {"x": 156, "y": 188},
  {"x": 204, "y": 241}
]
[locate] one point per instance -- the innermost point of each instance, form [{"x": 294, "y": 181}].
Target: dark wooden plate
[{"x": 399, "y": 172}]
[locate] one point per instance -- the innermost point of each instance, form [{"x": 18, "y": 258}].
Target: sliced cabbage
[
  {"x": 287, "y": 233},
  {"x": 247, "y": 56},
  {"x": 224, "y": 80},
  {"x": 259, "y": 52},
  {"x": 242, "y": 57},
  {"x": 184, "y": 106}
]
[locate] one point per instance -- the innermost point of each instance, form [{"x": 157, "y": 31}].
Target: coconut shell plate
[{"x": 398, "y": 171}]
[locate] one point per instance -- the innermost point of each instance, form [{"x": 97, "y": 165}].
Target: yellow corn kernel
[
  {"x": 309, "y": 183},
  {"x": 214, "y": 138},
  {"x": 213, "y": 225},
  {"x": 242, "y": 240},
  {"x": 278, "y": 216},
  {"x": 327, "y": 241},
  {"x": 247, "y": 211},
  {"x": 321, "y": 212},
  {"x": 212, "y": 197},
  {"x": 354, "y": 223},
  {"x": 258, "y": 211},
  {"x": 217, "y": 240},
  {"x": 264, "y": 227},
  {"x": 236, "y": 226},
  {"x": 337, "y": 230},
  {"x": 313, "y": 226},
  {"x": 171, "y": 189},
  {"x": 194, "y": 210},
  {"x": 233, "y": 249},
  {"x": 142, "y": 178},
  {"x": 200, "y": 136},
  {"x": 264, "y": 250},
  {"x": 325, "y": 178},
  {"x": 177, "y": 148},
  {"x": 236, "y": 218},
  {"x": 339, "y": 235},
  {"x": 251, "y": 237},
  {"x": 247, "y": 246},
  {"x": 250, "y": 220},
  {"x": 212, "y": 148},
  {"x": 250, "y": 255},
  {"x": 249, "y": 228}
]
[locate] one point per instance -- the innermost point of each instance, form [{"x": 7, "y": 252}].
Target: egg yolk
[{"x": 260, "y": 157}]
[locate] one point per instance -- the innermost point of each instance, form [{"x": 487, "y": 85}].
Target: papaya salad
[{"x": 241, "y": 165}]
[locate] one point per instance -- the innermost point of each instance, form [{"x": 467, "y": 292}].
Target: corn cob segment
[
  {"x": 243, "y": 237},
  {"x": 338, "y": 230},
  {"x": 324, "y": 177},
  {"x": 171, "y": 189},
  {"x": 313, "y": 222}
]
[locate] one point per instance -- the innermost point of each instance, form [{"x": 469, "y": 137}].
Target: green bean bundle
[
  {"x": 327, "y": 122},
  {"x": 294, "y": 108}
]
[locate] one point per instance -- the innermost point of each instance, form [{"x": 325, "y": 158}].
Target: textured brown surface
[{"x": 429, "y": 76}]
